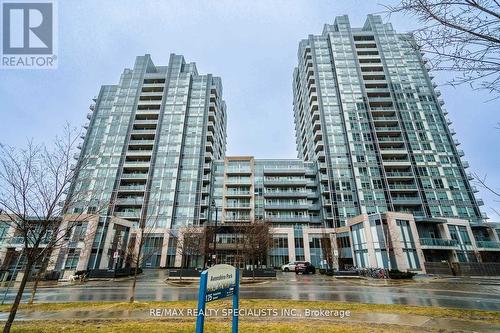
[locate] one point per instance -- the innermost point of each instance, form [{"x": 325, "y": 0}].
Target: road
[{"x": 464, "y": 293}]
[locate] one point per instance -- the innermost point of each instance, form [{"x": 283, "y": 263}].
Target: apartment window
[
  {"x": 280, "y": 242},
  {"x": 299, "y": 242},
  {"x": 438, "y": 183},
  {"x": 315, "y": 243},
  {"x": 408, "y": 244},
  {"x": 72, "y": 259}
]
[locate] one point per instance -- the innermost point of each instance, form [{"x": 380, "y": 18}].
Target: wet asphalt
[{"x": 465, "y": 293}]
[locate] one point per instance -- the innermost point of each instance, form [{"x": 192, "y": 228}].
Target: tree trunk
[
  {"x": 43, "y": 268},
  {"x": 137, "y": 263},
  {"x": 253, "y": 268},
  {"x": 17, "y": 300},
  {"x": 33, "y": 291},
  {"x": 132, "y": 298},
  {"x": 182, "y": 266}
]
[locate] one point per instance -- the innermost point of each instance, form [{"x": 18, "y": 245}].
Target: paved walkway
[{"x": 407, "y": 320}]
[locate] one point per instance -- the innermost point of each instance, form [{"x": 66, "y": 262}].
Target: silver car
[{"x": 290, "y": 267}]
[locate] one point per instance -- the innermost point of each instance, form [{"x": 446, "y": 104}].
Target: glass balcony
[
  {"x": 132, "y": 188},
  {"x": 130, "y": 201},
  {"x": 488, "y": 244},
  {"x": 299, "y": 181},
  {"x": 141, "y": 142},
  {"x": 288, "y": 206},
  {"x": 387, "y": 129},
  {"x": 238, "y": 193},
  {"x": 438, "y": 242},
  {"x": 406, "y": 200},
  {"x": 129, "y": 214},
  {"x": 288, "y": 218},
  {"x": 134, "y": 176},
  {"x": 286, "y": 194}
]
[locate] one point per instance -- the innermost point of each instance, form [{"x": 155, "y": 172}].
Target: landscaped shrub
[{"x": 398, "y": 275}]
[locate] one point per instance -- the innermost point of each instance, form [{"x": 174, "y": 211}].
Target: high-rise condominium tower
[
  {"x": 367, "y": 111},
  {"x": 149, "y": 144},
  {"x": 379, "y": 180}
]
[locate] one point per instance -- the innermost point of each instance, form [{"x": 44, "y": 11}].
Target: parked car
[
  {"x": 290, "y": 267},
  {"x": 305, "y": 268}
]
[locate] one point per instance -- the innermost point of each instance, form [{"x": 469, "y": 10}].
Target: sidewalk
[{"x": 417, "y": 322}]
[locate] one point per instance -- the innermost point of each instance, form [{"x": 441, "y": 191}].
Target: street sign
[
  {"x": 116, "y": 254},
  {"x": 218, "y": 282}
]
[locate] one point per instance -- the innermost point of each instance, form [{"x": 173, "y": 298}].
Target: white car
[{"x": 290, "y": 267}]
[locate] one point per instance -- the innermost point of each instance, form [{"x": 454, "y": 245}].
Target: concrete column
[
  {"x": 335, "y": 249},
  {"x": 90, "y": 233},
  {"x": 372, "y": 259},
  {"x": 105, "y": 258},
  {"x": 494, "y": 233},
  {"x": 291, "y": 244},
  {"x": 307, "y": 250},
  {"x": 164, "y": 249}
]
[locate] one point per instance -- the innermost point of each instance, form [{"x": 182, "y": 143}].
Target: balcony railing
[
  {"x": 135, "y": 175},
  {"x": 130, "y": 201},
  {"x": 239, "y": 170},
  {"x": 288, "y": 206},
  {"x": 390, "y": 139},
  {"x": 488, "y": 244},
  {"x": 288, "y": 218},
  {"x": 402, "y": 187},
  {"x": 298, "y": 181},
  {"x": 132, "y": 188},
  {"x": 286, "y": 194},
  {"x": 129, "y": 214},
  {"x": 438, "y": 242},
  {"x": 387, "y": 128},
  {"x": 399, "y": 174},
  {"x": 238, "y": 193},
  {"x": 238, "y": 181},
  {"x": 238, "y": 205}
]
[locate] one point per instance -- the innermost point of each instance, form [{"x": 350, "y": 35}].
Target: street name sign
[{"x": 218, "y": 282}]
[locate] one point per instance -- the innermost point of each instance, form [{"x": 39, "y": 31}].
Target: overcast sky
[{"x": 252, "y": 45}]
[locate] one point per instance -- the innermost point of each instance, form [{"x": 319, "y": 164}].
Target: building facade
[
  {"x": 284, "y": 193},
  {"x": 379, "y": 180},
  {"x": 148, "y": 149},
  {"x": 367, "y": 111}
]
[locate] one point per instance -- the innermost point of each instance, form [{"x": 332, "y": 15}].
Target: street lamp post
[{"x": 215, "y": 231}]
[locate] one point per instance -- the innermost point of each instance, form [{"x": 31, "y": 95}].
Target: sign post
[
  {"x": 218, "y": 282},
  {"x": 236, "y": 302}
]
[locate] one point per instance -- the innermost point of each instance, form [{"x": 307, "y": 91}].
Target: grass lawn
[
  {"x": 436, "y": 312},
  {"x": 210, "y": 327},
  {"x": 247, "y": 324}
]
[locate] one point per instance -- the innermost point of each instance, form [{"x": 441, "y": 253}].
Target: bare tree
[
  {"x": 462, "y": 36},
  {"x": 482, "y": 182},
  {"x": 256, "y": 242},
  {"x": 45, "y": 262},
  {"x": 138, "y": 253},
  {"x": 190, "y": 242},
  {"x": 34, "y": 182},
  {"x": 327, "y": 249},
  {"x": 78, "y": 235}
]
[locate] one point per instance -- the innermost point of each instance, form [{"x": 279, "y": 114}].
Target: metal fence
[
  {"x": 438, "y": 268},
  {"x": 476, "y": 268},
  {"x": 463, "y": 268}
]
